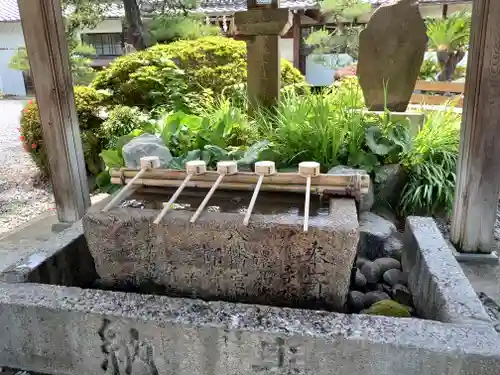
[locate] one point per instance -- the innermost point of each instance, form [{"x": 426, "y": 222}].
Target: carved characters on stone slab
[
  {"x": 280, "y": 355},
  {"x": 126, "y": 353}
]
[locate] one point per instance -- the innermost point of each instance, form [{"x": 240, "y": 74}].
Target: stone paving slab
[{"x": 484, "y": 278}]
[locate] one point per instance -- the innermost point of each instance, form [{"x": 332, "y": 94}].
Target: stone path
[{"x": 22, "y": 198}]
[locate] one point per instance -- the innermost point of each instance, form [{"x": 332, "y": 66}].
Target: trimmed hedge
[
  {"x": 205, "y": 65},
  {"x": 145, "y": 79},
  {"x": 88, "y": 106}
]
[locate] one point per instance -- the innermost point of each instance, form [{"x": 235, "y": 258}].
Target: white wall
[
  {"x": 11, "y": 38},
  {"x": 286, "y": 49},
  {"x": 436, "y": 11},
  {"x": 105, "y": 27}
]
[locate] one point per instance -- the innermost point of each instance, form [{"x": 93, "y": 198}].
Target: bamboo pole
[
  {"x": 344, "y": 190},
  {"x": 262, "y": 168},
  {"x": 249, "y": 177},
  {"x": 223, "y": 168},
  {"x": 194, "y": 167},
  {"x": 147, "y": 162},
  {"x": 308, "y": 169}
]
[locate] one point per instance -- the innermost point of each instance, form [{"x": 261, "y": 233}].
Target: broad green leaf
[
  {"x": 176, "y": 163},
  {"x": 237, "y": 152},
  {"x": 377, "y": 143},
  {"x": 363, "y": 160},
  {"x": 217, "y": 153},
  {"x": 252, "y": 154},
  {"x": 112, "y": 159},
  {"x": 401, "y": 136},
  {"x": 192, "y": 122},
  {"x": 192, "y": 155},
  {"x": 103, "y": 179},
  {"x": 205, "y": 156},
  {"x": 269, "y": 154},
  {"x": 179, "y": 162},
  {"x": 171, "y": 125}
]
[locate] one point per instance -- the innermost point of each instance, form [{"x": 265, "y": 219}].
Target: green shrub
[
  {"x": 217, "y": 62},
  {"x": 88, "y": 106},
  {"x": 121, "y": 121},
  {"x": 430, "y": 165},
  {"x": 290, "y": 75},
  {"x": 145, "y": 79},
  {"x": 206, "y": 65},
  {"x": 169, "y": 28},
  {"x": 210, "y": 62},
  {"x": 429, "y": 70}
]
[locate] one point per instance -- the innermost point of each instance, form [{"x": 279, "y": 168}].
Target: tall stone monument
[{"x": 391, "y": 52}]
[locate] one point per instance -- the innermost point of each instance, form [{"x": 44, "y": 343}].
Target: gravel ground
[
  {"x": 444, "y": 227},
  {"x": 22, "y": 197}
]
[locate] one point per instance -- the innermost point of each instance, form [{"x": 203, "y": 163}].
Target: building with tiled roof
[{"x": 108, "y": 37}]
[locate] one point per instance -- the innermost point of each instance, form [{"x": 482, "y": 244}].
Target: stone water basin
[
  {"x": 271, "y": 261},
  {"x": 53, "y": 320}
]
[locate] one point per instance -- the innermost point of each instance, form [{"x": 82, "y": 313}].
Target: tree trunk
[
  {"x": 135, "y": 33},
  {"x": 448, "y": 61}
]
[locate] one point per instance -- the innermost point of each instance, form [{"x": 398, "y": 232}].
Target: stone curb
[
  {"x": 244, "y": 339},
  {"x": 435, "y": 277},
  {"x": 60, "y": 330}
]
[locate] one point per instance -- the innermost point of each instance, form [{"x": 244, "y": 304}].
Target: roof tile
[{"x": 9, "y": 11}]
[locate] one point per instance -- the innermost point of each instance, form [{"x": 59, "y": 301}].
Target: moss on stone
[{"x": 388, "y": 308}]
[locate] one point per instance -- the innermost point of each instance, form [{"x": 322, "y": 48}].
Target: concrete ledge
[
  {"x": 65, "y": 331},
  {"x": 64, "y": 260},
  {"x": 476, "y": 258},
  {"x": 60, "y": 226},
  {"x": 440, "y": 288}
]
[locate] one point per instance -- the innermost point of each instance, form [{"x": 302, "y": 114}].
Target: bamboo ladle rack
[{"x": 353, "y": 184}]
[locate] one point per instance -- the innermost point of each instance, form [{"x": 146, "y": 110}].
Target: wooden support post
[
  {"x": 478, "y": 176},
  {"x": 296, "y": 35},
  {"x": 47, "y": 49}
]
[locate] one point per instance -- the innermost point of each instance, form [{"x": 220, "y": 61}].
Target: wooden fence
[{"x": 432, "y": 93}]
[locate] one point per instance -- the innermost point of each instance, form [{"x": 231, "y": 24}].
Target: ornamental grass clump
[
  {"x": 431, "y": 165},
  {"x": 329, "y": 127}
]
